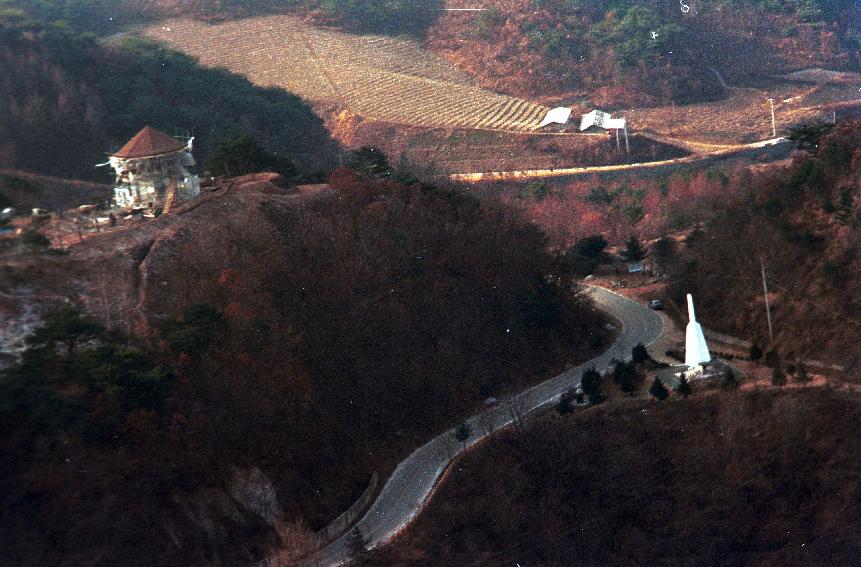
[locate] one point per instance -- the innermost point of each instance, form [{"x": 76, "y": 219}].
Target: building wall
[{"x": 144, "y": 182}]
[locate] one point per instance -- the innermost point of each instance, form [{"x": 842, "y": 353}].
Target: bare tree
[
  {"x": 484, "y": 421},
  {"x": 517, "y": 407},
  {"x": 296, "y": 543},
  {"x": 449, "y": 447}
]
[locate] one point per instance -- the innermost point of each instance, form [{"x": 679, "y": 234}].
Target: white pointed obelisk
[{"x": 696, "y": 350}]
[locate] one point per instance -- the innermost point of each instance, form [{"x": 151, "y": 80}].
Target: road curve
[{"x": 407, "y": 490}]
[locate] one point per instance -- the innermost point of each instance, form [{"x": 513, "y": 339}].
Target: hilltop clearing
[
  {"x": 315, "y": 338},
  {"x": 755, "y": 478}
]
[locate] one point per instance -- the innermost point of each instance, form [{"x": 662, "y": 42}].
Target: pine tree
[
  {"x": 729, "y": 382},
  {"x": 564, "y": 405},
  {"x": 462, "y": 433},
  {"x": 684, "y": 388},
  {"x": 778, "y": 378},
  {"x": 802, "y": 376},
  {"x": 755, "y": 352},
  {"x": 591, "y": 384},
  {"x": 369, "y": 161},
  {"x": 658, "y": 390},
  {"x": 639, "y": 353},
  {"x": 634, "y": 251},
  {"x": 626, "y": 377},
  {"x": 772, "y": 359},
  {"x": 68, "y": 326}
]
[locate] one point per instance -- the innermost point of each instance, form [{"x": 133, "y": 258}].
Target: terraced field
[{"x": 382, "y": 78}]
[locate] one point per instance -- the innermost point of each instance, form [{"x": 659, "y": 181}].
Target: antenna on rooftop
[{"x": 182, "y": 133}]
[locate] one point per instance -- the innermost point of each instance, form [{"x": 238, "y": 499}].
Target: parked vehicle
[{"x": 656, "y": 304}]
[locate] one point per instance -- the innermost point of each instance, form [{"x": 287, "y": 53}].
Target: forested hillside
[
  {"x": 108, "y": 16},
  {"x": 67, "y": 99},
  {"x": 744, "y": 479},
  {"x": 803, "y": 224},
  {"x": 632, "y": 53},
  {"x": 317, "y": 339}
]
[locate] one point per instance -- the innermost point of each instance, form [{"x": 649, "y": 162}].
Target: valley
[
  {"x": 394, "y": 93},
  {"x": 307, "y": 283}
]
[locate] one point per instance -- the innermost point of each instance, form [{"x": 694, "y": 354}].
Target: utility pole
[
  {"x": 767, "y": 307},
  {"x": 773, "y": 122}
]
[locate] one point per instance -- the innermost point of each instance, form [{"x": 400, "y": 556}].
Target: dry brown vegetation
[
  {"x": 357, "y": 322},
  {"x": 357, "y": 80},
  {"x": 745, "y": 116},
  {"x": 479, "y": 151},
  {"x": 802, "y": 221},
  {"x": 377, "y": 77},
  {"x": 747, "y": 479},
  {"x": 594, "y": 51}
]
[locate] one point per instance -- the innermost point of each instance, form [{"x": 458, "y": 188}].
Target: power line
[{"x": 767, "y": 306}]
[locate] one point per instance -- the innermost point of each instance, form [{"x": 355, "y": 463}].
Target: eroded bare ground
[{"x": 122, "y": 274}]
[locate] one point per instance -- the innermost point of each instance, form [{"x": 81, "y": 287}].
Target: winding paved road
[{"x": 407, "y": 490}]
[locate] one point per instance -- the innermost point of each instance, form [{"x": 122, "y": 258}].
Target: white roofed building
[
  {"x": 151, "y": 171},
  {"x": 558, "y": 115},
  {"x": 600, "y": 119}
]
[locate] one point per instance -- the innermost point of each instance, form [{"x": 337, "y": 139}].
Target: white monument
[{"x": 696, "y": 350}]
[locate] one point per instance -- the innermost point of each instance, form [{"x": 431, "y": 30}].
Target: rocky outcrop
[
  {"x": 247, "y": 500},
  {"x": 256, "y": 494}
]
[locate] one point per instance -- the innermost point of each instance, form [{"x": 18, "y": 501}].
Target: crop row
[{"x": 382, "y": 78}]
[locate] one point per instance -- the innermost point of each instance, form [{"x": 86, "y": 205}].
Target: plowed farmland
[
  {"x": 745, "y": 115},
  {"x": 392, "y": 80}
]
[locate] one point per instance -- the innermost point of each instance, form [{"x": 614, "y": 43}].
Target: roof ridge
[{"x": 149, "y": 142}]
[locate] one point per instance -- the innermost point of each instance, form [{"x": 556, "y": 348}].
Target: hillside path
[
  {"x": 408, "y": 489},
  {"x": 717, "y": 152}
]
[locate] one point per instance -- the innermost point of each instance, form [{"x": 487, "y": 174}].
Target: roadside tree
[
  {"x": 778, "y": 377},
  {"x": 462, "y": 433},
  {"x": 634, "y": 251},
  {"x": 564, "y": 406},
  {"x": 684, "y": 387},
  {"x": 639, "y": 353},
  {"x": 801, "y": 375},
  {"x": 591, "y": 384},
  {"x": 658, "y": 390},
  {"x": 729, "y": 381}
]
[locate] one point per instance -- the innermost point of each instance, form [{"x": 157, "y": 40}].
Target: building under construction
[{"x": 151, "y": 172}]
